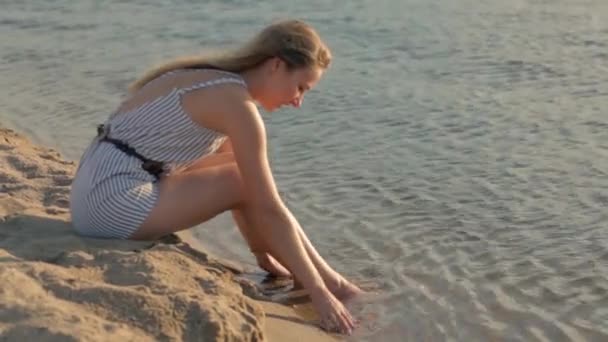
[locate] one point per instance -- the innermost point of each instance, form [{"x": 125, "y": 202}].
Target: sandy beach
[{"x": 57, "y": 286}]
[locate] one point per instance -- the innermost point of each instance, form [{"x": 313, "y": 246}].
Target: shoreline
[{"x": 58, "y": 285}]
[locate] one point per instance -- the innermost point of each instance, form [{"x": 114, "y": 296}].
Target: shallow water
[{"x": 455, "y": 153}]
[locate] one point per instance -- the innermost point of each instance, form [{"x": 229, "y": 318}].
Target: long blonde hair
[{"x": 294, "y": 41}]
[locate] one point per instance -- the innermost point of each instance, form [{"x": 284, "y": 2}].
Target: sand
[{"x": 57, "y": 286}]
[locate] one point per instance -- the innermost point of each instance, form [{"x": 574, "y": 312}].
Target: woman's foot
[
  {"x": 270, "y": 265},
  {"x": 345, "y": 290}
]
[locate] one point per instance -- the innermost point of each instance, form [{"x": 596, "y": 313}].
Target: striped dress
[{"x": 111, "y": 195}]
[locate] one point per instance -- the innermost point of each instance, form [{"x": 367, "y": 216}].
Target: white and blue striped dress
[{"x": 111, "y": 195}]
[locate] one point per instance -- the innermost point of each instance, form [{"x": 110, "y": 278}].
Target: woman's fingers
[
  {"x": 334, "y": 316},
  {"x": 350, "y": 320},
  {"x": 330, "y": 324},
  {"x": 339, "y": 323}
]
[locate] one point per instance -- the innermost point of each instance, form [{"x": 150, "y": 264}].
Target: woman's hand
[{"x": 334, "y": 317}]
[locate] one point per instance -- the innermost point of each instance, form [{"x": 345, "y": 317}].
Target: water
[{"x": 456, "y": 152}]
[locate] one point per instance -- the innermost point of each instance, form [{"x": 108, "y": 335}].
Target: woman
[{"x": 188, "y": 143}]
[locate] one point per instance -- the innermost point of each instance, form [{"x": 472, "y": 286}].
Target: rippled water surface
[{"x": 456, "y": 153}]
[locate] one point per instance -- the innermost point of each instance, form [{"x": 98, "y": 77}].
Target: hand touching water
[{"x": 334, "y": 317}]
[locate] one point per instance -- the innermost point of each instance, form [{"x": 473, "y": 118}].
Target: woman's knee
[
  {"x": 189, "y": 198},
  {"x": 227, "y": 179}
]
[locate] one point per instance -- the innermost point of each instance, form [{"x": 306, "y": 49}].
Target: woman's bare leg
[
  {"x": 267, "y": 259},
  {"x": 337, "y": 284},
  {"x": 259, "y": 249},
  {"x": 256, "y": 244},
  {"x": 189, "y": 198}
]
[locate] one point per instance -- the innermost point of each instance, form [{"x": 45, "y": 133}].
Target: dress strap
[{"x": 209, "y": 83}]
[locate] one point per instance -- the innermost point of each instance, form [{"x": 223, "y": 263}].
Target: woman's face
[{"x": 287, "y": 87}]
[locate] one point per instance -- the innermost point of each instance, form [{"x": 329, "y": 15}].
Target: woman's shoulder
[
  {"x": 216, "y": 100},
  {"x": 214, "y": 86}
]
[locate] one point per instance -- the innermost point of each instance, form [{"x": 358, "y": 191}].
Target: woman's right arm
[
  {"x": 263, "y": 204},
  {"x": 242, "y": 123}
]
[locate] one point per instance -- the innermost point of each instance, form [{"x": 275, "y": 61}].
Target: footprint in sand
[
  {"x": 23, "y": 165},
  {"x": 62, "y": 180},
  {"x": 58, "y": 197}
]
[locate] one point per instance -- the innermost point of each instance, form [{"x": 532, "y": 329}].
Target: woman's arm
[
  {"x": 237, "y": 116},
  {"x": 263, "y": 204}
]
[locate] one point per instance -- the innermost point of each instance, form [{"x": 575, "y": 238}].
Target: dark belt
[{"x": 153, "y": 167}]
